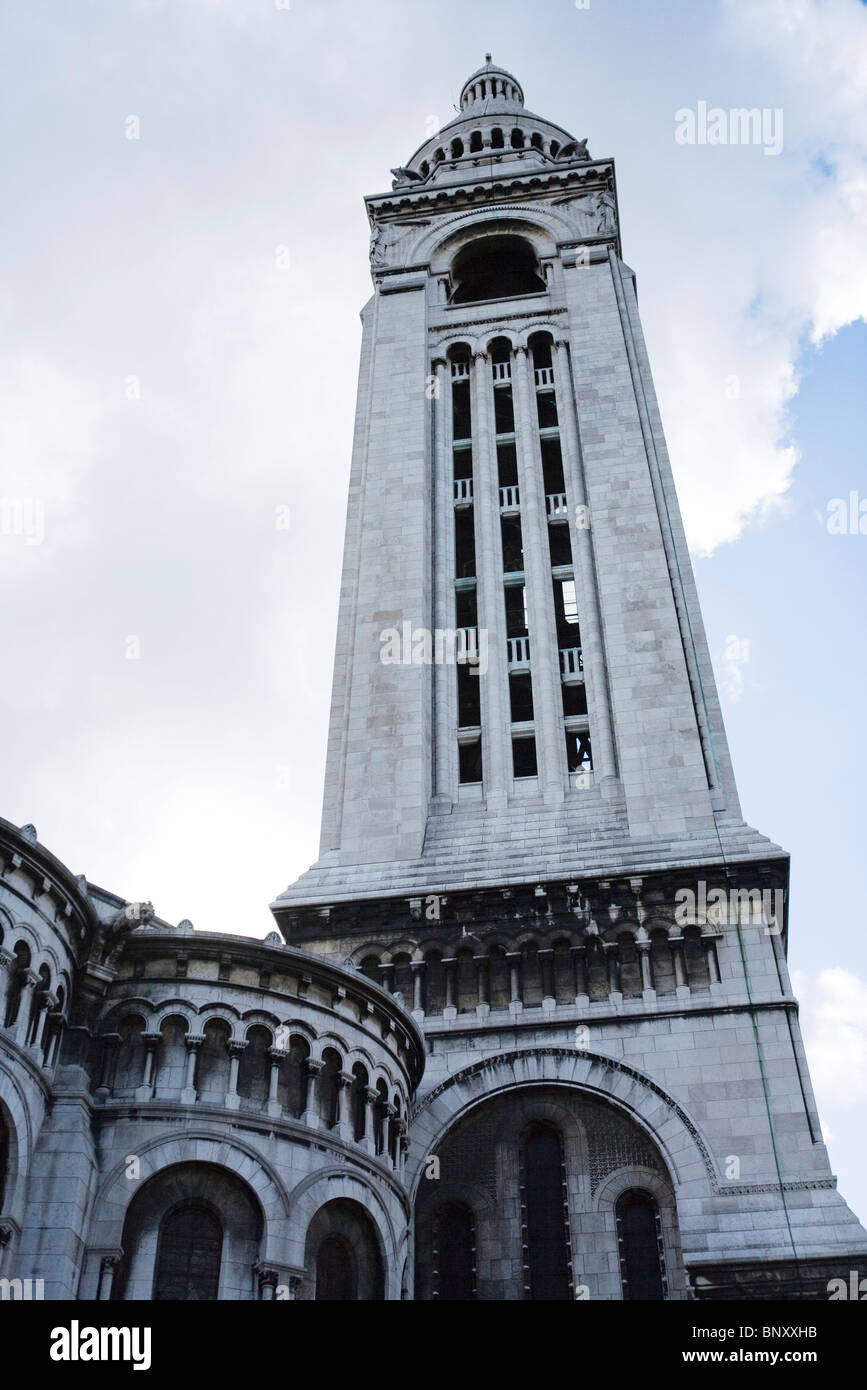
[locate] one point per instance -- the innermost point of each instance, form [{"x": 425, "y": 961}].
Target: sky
[{"x": 185, "y": 256}]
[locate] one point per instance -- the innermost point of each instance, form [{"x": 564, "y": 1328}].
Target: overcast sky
[{"x": 178, "y": 366}]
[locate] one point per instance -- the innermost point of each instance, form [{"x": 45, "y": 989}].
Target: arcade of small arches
[
  {"x": 286, "y": 1071},
  {"x": 626, "y": 962},
  {"x": 33, "y": 994},
  {"x": 496, "y": 139}
]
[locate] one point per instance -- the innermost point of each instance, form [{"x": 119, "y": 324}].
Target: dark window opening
[
  {"x": 329, "y": 1087},
  {"x": 457, "y": 149},
  {"x": 521, "y": 698},
  {"x": 546, "y": 407},
  {"x": 504, "y": 410},
  {"x": 475, "y": 142},
  {"x": 188, "y": 1256},
  {"x": 465, "y": 543},
  {"x": 507, "y": 463},
  {"x": 463, "y": 463},
  {"x": 439, "y": 156},
  {"x": 566, "y": 613},
  {"x": 642, "y": 1269},
  {"x": 466, "y": 608},
  {"x": 424, "y": 169},
  {"x": 578, "y": 752},
  {"x": 517, "y": 139},
  {"x": 540, "y": 346},
  {"x": 536, "y": 140},
  {"x": 552, "y": 466},
  {"x": 555, "y": 145},
  {"x": 469, "y": 697},
  {"x": 497, "y": 141},
  {"x": 516, "y": 611},
  {"x": 574, "y": 699},
  {"x": 513, "y": 548},
  {"x": 524, "y": 757},
  {"x": 496, "y": 267},
  {"x": 461, "y": 419},
  {"x": 455, "y": 1256},
  {"x": 470, "y": 761},
  {"x": 560, "y": 545},
  {"x": 547, "y": 1250}
]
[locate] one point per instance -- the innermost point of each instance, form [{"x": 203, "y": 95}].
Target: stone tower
[{"x": 531, "y": 830}]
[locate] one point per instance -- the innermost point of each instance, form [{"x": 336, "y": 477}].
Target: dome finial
[{"x": 487, "y": 57}]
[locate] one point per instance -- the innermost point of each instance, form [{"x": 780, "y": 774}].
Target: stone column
[
  {"x": 598, "y": 699},
  {"x": 388, "y": 1114},
  {"x": 546, "y": 965},
  {"x": 108, "y": 1267},
  {"x": 445, "y": 756},
  {"x": 612, "y": 955},
  {"x": 345, "y": 1127},
  {"x": 6, "y": 961},
  {"x": 708, "y": 941},
  {"x": 150, "y": 1042},
  {"x": 450, "y": 966},
  {"x": 29, "y": 981},
  {"x": 189, "y": 1094},
  {"x": 268, "y": 1279},
  {"x": 276, "y": 1055},
  {"x": 544, "y": 651},
  {"x": 579, "y": 966},
  {"x": 643, "y": 946},
  {"x": 234, "y": 1047},
  {"x": 386, "y": 977},
  {"x": 310, "y": 1118},
  {"x": 368, "y": 1139},
  {"x": 675, "y": 942},
  {"x": 483, "y": 978},
  {"x": 496, "y": 763},
  {"x": 47, "y": 1002},
  {"x": 514, "y": 961},
  {"x": 110, "y": 1047},
  {"x": 418, "y": 968}
]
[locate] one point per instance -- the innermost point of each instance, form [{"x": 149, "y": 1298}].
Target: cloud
[
  {"x": 834, "y": 1022},
  {"x": 774, "y": 256}
]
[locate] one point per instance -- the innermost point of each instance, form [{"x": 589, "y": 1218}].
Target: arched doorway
[
  {"x": 343, "y": 1256},
  {"x": 526, "y": 1203},
  {"x": 192, "y": 1233}
]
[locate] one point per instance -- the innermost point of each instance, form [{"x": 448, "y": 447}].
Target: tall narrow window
[
  {"x": 639, "y": 1239},
  {"x": 188, "y": 1256},
  {"x": 335, "y": 1271},
  {"x": 455, "y": 1256},
  {"x": 543, "y": 1199}
]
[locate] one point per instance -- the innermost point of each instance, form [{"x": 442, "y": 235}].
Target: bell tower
[{"x": 531, "y": 830}]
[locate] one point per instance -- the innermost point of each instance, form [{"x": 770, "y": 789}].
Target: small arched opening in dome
[
  {"x": 536, "y": 140},
  {"x": 555, "y": 146},
  {"x": 567, "y": 151},
  {"x": 496, "y": 267},
  {"x": 475, "y": 142},
  {"x": 497, "y": 141},
  {"x": 517, "y": 139},
  {"x": 424, "y": 168},
  {"x": 457, "y": 149},
  {"x": 439, "y": 156}
]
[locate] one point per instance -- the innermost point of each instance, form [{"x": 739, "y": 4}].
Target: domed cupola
[{"x": 492, "y": 88}]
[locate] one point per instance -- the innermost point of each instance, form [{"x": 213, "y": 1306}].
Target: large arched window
[
  {"x": 336, "y": 1280},
  {"x": 496, "y": 267},
  {"x": 454, "y": 1259},
  {"x": 642, "y": 1268},
  {"x": 543, "y": 1201},
  {"x": 188, "y": 1256}
]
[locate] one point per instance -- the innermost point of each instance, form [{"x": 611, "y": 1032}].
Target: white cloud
[
  {"x": 834, "y": 1023},
  {"x": 774, "y": 253}
]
